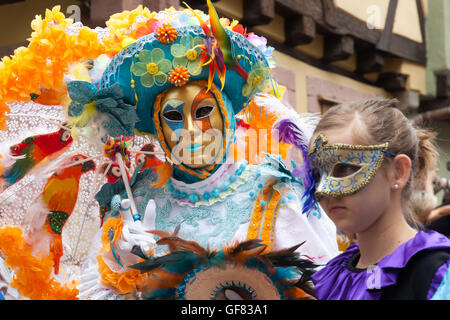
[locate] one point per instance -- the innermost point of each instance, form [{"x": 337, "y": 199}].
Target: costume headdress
[{"x": 182, "y": 49}]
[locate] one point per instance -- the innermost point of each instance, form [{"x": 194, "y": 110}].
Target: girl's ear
[{"x": 402, "y": 169}]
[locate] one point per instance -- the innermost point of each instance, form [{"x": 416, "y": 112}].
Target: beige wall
[
  {"x": 275, "y": 30},
  {"x": 406, "y": 21},
  {"x": 374, "y": 11},
  {"x": 302, "y": 71}
]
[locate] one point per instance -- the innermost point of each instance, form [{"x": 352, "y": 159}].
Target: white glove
[{"x": 134, "y": 232}]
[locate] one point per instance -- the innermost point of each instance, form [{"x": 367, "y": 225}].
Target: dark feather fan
[{"x": 242, "y": 270}]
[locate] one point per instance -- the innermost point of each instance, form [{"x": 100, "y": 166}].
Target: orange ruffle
[
  {"x": 32, "y": 273},
  {"x": 124, "y": 282}
]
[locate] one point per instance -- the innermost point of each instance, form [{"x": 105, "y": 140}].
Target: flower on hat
[
  {"x": 261, "y": 44},
  {"x": 179, "y": 76},
  {"x": 166, "y": 33},
  {"x": 150, "y": 26},
  {"x": 256, "y": 80},
  {"x": 152, "y": 67},
  {"x": 188, "y": 53}
]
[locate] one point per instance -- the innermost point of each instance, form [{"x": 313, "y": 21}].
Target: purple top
[{"x": 339, "y": 280}]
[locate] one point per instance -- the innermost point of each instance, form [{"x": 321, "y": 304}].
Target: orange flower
[
  {"x": 166, "y": 33},
  {"x": 112, "y": 230},
  {"x": 147, "y": 28},
  {"x": 179, "y": 76}
]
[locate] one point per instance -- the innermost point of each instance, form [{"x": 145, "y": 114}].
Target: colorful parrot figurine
[
  {"x": 112, "y": 175},
  {"x": 218, "y": 54},
  {"x": 114, "y": 172},
  {"x": 162, "y": 168},
  {"x": 224, "y": 42},
  {"x": 59, "y": 197},
  {"x": 31, "y": 151},
  {"x": 149, "y": 160}
]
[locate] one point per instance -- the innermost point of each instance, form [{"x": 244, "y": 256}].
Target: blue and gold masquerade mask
[{"x": 343, "y": 169}]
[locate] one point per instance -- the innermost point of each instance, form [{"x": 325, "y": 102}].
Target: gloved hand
[{"x": 134, "y": 230}]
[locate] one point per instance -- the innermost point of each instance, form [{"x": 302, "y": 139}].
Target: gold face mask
[
  {"x": 343, "y": 169},
  {"x": 192, "y": 125}
]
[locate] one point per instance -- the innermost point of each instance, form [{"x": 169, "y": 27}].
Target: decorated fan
[{"x": 239, "y": 272}]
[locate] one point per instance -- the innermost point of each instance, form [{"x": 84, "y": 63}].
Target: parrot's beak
[{"x": 87, "y": 166}]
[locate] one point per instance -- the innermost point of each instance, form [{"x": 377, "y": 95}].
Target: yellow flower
[
  {"x": 127, "y": 41},
  {"x": 225, "y": 22},
  {"x": 123, "y": 28},
  {"x": 170, "y": 10},
  {"x": 120, "y": 23},
  {"x": 233, "y": 24},
  {"x": 57, "y": 17},
  {"x": 187, "y": 53},
  {"x": 256, "y": 80},
  {"x": 36, "y": 24}
]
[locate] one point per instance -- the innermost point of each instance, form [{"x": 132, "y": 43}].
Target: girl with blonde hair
[{"x": 363, "y": 157}]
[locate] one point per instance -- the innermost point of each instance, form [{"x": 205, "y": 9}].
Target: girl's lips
[{"x": 337, "y": 209}]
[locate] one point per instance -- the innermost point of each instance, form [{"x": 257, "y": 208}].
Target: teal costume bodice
[{"x": 226, "y": 200}]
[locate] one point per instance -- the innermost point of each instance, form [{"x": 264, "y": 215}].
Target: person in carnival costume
[
  {"x": 364, "y": 155},
  {"x": 191, "y": 208}
]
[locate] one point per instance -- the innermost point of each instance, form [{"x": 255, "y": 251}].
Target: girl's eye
[
  {"x": 203, "y": 112},
  {"x": 173, "y": 115},
  {"x": 343, "y": 170},
  {"x": 316, "y": 175}
]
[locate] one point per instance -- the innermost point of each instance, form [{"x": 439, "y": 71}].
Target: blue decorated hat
[
  {"x": 177, "y": 53},
  {"x": 180, "y": 48}
]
